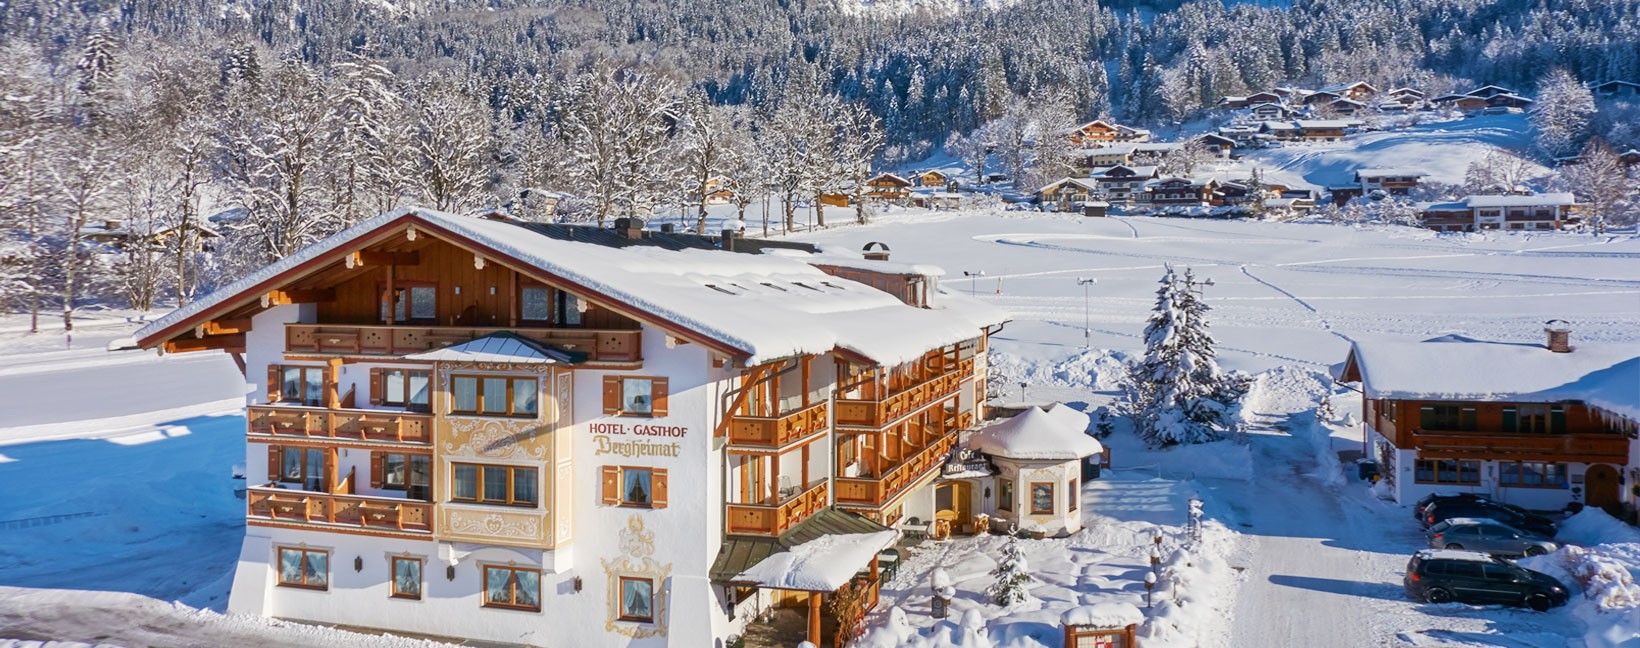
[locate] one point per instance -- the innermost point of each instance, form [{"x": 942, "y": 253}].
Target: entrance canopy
[
  {"x": 497, "y": 347},
  {"x": 820, "y": 554}
]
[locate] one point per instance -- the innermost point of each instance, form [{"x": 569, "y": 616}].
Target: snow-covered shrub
[{"x": 1013, "y": 576}]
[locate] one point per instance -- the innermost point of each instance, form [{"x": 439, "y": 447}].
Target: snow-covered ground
[
  {"x": 144, "y": 446},
  {"x": 1442, "y": 149}
]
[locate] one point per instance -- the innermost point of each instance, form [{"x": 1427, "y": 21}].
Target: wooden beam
[
  {"x": 387, "y": 258},
  {"x": 739, "y": 401},
  {"x": 309, "y": 296},
  {"x": 223, "y": 327},
  {"x": 234, "y": 343}
]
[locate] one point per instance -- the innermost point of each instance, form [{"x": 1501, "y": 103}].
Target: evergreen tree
[
  {"x": 1177, "y": 394},
  {"x": 1013, "y": 576}
]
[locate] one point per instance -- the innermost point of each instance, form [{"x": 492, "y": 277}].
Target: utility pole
[{"x": 1087, "y": 320}]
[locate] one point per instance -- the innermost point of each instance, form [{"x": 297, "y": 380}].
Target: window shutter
[
  {"x": 376, "y": 382},
  {"x": 378, "y": 462},
  {"x": 612, "y": 394},
  {"x": 612, "y": 485},
  {"x": 273, "y": 383},
  {"x": 657, "y": 397},
  {"x": 657, "y": 488},
  {"x": 273, "y": 463}
]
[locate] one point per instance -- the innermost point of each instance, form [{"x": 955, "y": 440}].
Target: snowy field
[{"x": 140, "y": 449}]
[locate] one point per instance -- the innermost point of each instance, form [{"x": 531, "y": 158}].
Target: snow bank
[
  {"x": 1609, "y": 605},
  {"x": 1103, "y": 615},
  {"x": 1592, "y": 526},
  {"x": 1089, "y": 369}
]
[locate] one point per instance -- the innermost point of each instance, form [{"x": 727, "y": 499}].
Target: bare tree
[
  {"x": 974, "y": 149},
  {"x": 861, "y": 136},
  {"x": 618, "y": 120},
  {"x": 454, "y": 147},
  {"x": 707, "y": 132},
  {"x": 83, "y": 178},
  {"x": 1601, "y": 182}
]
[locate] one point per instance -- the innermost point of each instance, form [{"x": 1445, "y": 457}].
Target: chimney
[
  {"x": 630, "y": 227},
  {"x": 668, "y": 228},
  {"x": 875, "y": 255},
  {"x": 1560, "y": 335},
  {"x": 729, "y": 236}
]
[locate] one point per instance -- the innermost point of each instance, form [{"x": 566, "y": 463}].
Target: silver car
[{"x": 1490, "y": 536}]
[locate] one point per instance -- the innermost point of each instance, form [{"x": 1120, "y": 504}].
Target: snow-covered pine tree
[
  {"x": 1013, "y": 575},
  {"x": 1177, "y": 394}
]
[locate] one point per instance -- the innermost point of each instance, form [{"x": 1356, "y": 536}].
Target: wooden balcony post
[
  {"x": 774, "y": 478},
  {"x": 814, "y": 618},
  {"x": 805, "y": 460}
]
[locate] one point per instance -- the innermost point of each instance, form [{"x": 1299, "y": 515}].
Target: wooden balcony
[
  {"x": 340, "y": 424},
  {"x": 878, "y": 413},
  {"x": 349, "y": 339},
  {"x": 1585, "y": 448},
  {"x": 357, "y": 511},
  {"x": 877, "y": 491},
  {"x": 778, "y": 431},
  {"x": 774, "y": 518}
]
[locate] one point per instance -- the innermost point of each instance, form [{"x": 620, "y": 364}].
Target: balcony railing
[
  {"x": 340, "y": 424},
  {"x": 877, "y": 413},
  {"x": 1587, "y": 448},
  {"x": 775, "y": 518},
  {"x": 876, "y": 491},
  {"x": 777, "y": 431},
  {"x": 599, "y": 345},
  {"x": 360, "y": 511}
]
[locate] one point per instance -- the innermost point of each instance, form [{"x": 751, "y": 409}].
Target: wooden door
[
  {"x": 955, "y": 499},
  {"x": 1600, "y": 484}
]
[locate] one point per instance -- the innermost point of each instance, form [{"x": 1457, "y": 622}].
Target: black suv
[
  {"x": 1473, "y": 508},
  {"x": 1444, "y": 575},
  {"x": 1422, "y": 506}
]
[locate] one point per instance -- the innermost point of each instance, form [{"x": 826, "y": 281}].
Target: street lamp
[
  {"x": 1087, "y": 322},
  {"x": 973, "y": 281}
]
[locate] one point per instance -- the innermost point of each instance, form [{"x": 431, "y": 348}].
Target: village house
[
  {"x": 1308, "y": 130},
  {"x": 933, "y": 178},
  {"x": 1101, "y": 131},
  {"x": 1486, "y": 212},
  {"x": 553, "y": 434},
  {"x": 1152, "y": 152},
  {"x": 1220, "y": 145},
  {"x": 1615, "y": 89},
  {"x": 1321, "y": 98},
  {"x": 1395, "y": 182},
  {"x": 888, "y": 186},
  {"x": 1103, "y": 156},
  {"x": 1067, "y": 194},
  {"x": 1232, "y": 194},
  {"x": 1344, "y": 107},
  {"x": 1508, "y": 102},
  {"x": 940, "y": 200},
  {"x": 1231, "y": 102},
  {"x": 1461, "y": 102},
  {"x": 1271, "y": 111},
  {"x": 1408, "y": 96},
  {"x": 1357, "y": 90},
  {"x": 717, "y": 190},
  {"x": 1177, "y": 192},
  {"x": 1489, "y": 91},
  {"x": 117, "y": 235},
  {"x": 1242, "y": 136},
  {"x": 1119, "y": 183},
  {"x": 1538, "y": 426}
]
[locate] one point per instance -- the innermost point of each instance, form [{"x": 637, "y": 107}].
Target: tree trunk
[
  {"x": 819, "y": 209},
  {"x": 700, "y": 226}
]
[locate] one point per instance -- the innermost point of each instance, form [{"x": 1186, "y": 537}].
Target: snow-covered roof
[
  {"x": 496, "y": 347},
  {"x": 1109, "y": 614},
  {"x": 1459, "y": 368},
  {"x": 844, "y": 258},
  {"x": 1038, "y": 435},
  {"x": 1326, "y": 123},
  {"x": 1140, "y": 170},
  {"x": 1085, "y": 183},
  {"x": 1340, "y": 87},
  {"x": 762, "y": 307},
  {"x": 1384, "y": 173},
  {"x": 820, "y": 565},
  {"x": 889, "y": 176},
  {"x": 1456, "y": 554},
  {"x": 1537, "y": 200}
]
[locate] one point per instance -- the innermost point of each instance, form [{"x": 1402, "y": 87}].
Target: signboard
[{"x": 636, "y": 440}]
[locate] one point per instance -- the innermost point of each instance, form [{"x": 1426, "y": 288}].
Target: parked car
[
  {"x": 1444, "y": 575},
  {"x": 1510, "y": 515},
  {"x": 1490, "y": 536},
  {"x": 1419, "y": 509}
]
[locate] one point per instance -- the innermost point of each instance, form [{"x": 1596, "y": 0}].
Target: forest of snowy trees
[{"x": 301, "y": 118}]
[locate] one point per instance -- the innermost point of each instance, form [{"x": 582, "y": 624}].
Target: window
[
  {"x": 634, "y": 486},
  {"x": 493, "y": 396},
  {"x": 1042, "y": 498},
  {"x": 1070, "y": 496},
  {"x": 400, "y": 387},
  {"x": 1447, "y": 471},
  {"x": 1005, "y": 495},
  {"x": 1532, "y": 474},
  {"x": 413, "y": 303},
  {"x": 301, "y": 385},
  {"x": 504, "y": 485},
  {"x": 406, "y": 577},
  {"x": 304, "y": 568},
  {"x": 543, "y": 305},
  {"x": 305, "y": 466},
  {"x": 638, "y": 396},
  {"x": 637, "y": 599},
  {"x": 516, "y": 588},
  {"x": 411, "y": 473},
  {"x": 1448, "y": 418}
]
